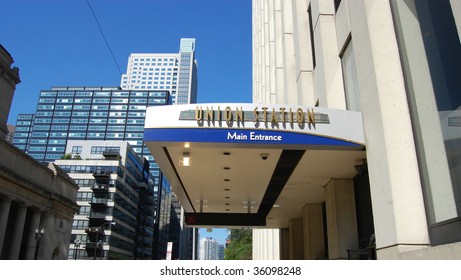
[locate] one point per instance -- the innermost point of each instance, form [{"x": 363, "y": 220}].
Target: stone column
[
  {"x": 31, "y": 242},
  {"x": 399, "y": 211},
  {"x": 4, "y": 213},
  {"x": 314, "y": 241},
  {"x": 295, "y": 239},
  {"x": 18, "y": 230},
  {"x": 266, "y": 244},
  {"x": 341, "y": 218}
]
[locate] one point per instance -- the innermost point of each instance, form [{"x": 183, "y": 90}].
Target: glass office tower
[{"x": 86, "y": 113}]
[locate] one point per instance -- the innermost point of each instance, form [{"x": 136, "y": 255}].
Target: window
[
  {"x": 100, "y": 149},
  {"x": 96, "y": 135},
  {"x": 431, "y": 56},
  {"x": 337, "y": 2},
  {"x": 77, "y": 149},
  {"x": 350, "y": 79}
]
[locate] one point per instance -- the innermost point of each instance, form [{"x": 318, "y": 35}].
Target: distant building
[
  {"x": 37, "y": 202},
  {"x": 175, "y": 72},
  {"x": 22, "y": 134},
  {"x": 208, "y": 249},
  {"x": 10, "y": 134},
  {"x": 221, "y": 249},
  {"x": 116, "y": 200}
]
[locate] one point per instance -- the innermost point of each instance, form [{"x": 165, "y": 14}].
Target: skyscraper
[
  {"x": 175, "y": 72},
  {"x": 208, "y": 249},
  {"x": 86, "y": 113}
]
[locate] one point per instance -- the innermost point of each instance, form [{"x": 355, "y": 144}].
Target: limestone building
[{"x": 37, "y": 202}]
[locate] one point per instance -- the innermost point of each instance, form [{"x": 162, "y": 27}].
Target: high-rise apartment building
[
  {"x": 174, "y": 72},
  {"x": 116, "y": 216}
]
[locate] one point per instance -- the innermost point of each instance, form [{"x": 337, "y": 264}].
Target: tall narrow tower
[{"x": 174, "y": 72}]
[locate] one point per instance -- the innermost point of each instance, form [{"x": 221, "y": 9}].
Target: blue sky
[{"x": 58, "y": 43}]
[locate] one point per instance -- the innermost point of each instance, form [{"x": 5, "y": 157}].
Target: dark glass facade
[
  {"x": 86, "y": 113},
  {"x": 94, "y": 113}
]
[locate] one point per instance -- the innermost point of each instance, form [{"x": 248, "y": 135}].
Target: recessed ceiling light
[
  {"x": 185, "y": 160},
  {"x": 226, "y": 168},
  {"x": 227, "y": 209},
  {"x": 226, "y": 153},
  {"x": 226, "y": 180},
  {"x": 227, "y": 197},
  {"x": 227, "y": 190},
  {"x": 227, "y": 203}
]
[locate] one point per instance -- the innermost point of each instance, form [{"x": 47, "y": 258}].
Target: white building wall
[{"x": 396, "y": 190}]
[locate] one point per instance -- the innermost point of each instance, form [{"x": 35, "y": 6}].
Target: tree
[{"x": 240, "y": 246}]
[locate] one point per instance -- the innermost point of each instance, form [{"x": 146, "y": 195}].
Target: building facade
[
  {"x": 208, "y": 249},
  {"x": 174, "y": 72},
  {"x": 92, "y": 113},
  {"x": 396, "y": 63},
  {"x": 37, "y": 202},
  {"x": 10, "y": 134},
  {"x": 116, "y": 219},
  {"x": 177, "y": 73},
  {"x": 86, "y": 113}
]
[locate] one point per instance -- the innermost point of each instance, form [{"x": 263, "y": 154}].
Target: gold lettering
[
  {"x": 282, "y": 110},
  {"x": 300, "y": 116},
  {"x": 228, "y": 114},
  {"x": 239, "y": 114},
  {"x": 273, "y": 116},
  {"x": 219, "y": 113},
  {"x": 291, "y": 116},
  {"x": 198, "y": 113},
  {"x": 265, "y": 113},
  {"x": 310, "y": 116},
  {"x": 255, "y": 114},
  {"x": 209, "y": 114}
]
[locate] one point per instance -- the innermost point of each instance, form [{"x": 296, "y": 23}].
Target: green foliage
[
  {"x": 240, "y": 247},
  {"x": 67, "y": 156}
]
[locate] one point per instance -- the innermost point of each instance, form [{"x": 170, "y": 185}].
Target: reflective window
[{"x": 431, "y": 52}]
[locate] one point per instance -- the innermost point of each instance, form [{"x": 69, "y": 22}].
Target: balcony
[
  {"x": 101, "y": 174},
  {"x": 111, "y": 154},
  {"x": 97, "y": 215},
  {"x": 99, "y": 201},
  {"x": 100, "y": 187}
]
